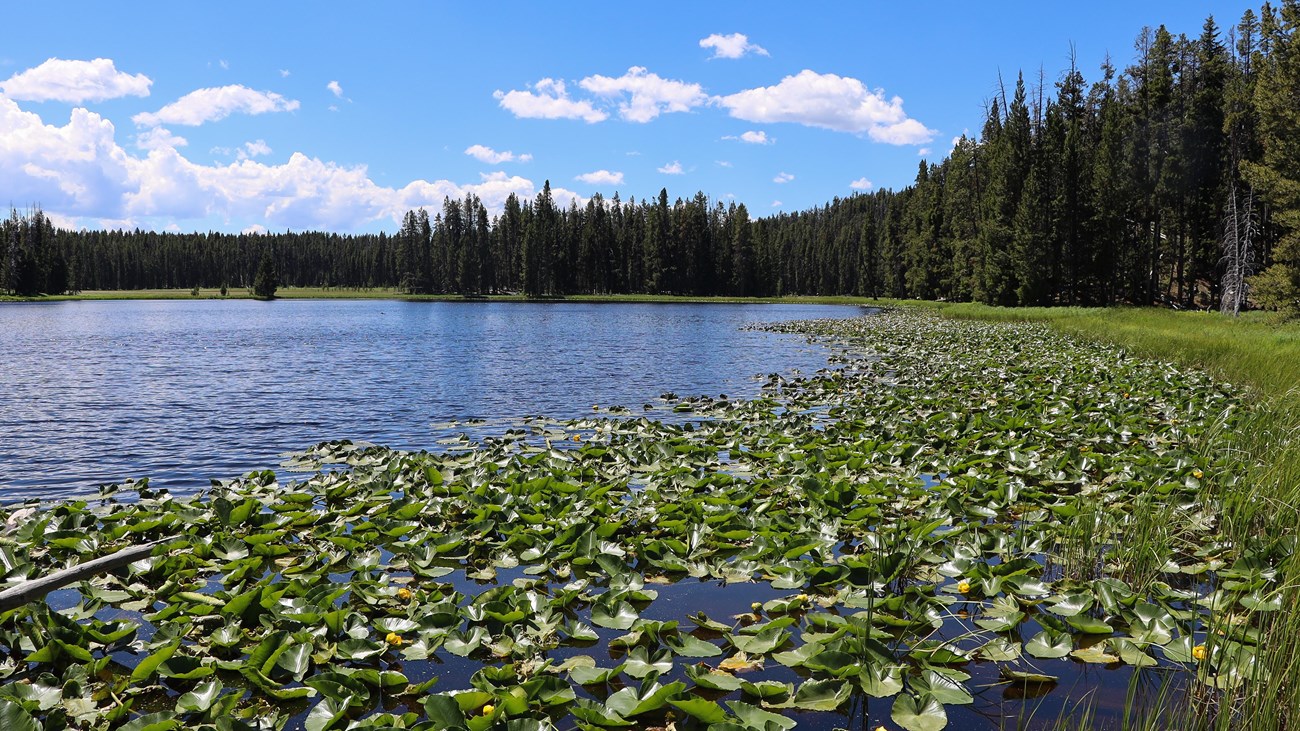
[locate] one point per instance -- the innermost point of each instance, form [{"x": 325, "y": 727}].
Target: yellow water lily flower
[
  {"x": 1199, "y": 653},
  {"x": 802, "y": 597},
  {"x": 1198, "y": 474},
  {"x": 404, "y": 594},
  {"x": 394, "y": 639},
  {"x": 963, "y": 587},
  {"x": 488, "y": 709},
  {"x": 756, "y": 607},
  {"x": 577, "y": 438}
]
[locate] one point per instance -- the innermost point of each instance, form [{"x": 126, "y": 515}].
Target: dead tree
[{"x": 1240, "y": 226}]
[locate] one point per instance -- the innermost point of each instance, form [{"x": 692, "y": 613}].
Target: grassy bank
[
  {"x": 389, "y": 293},
  {"x": 1261, "y": 509}
]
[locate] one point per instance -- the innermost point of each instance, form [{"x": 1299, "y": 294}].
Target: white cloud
[
  {"x": 254, "y": 149},
  {"x": 723, "y": 163},
  {"x": 861, "y": 184},
  {"x": 224, "y": 63},
  {"x": 75, "y": 82},
  {"x": 246, "y": 151},
  {"x": 783, "y": 178},
  {"x": 76, "y": 169},
  {"x": 256, "y": 228},
  {"x": 840, "y": 103},
  {"x": 923, "y": 151},
  {"x": 731, "y": 46},
  {"x": 335, "y": 89},
  {"x": 490, "y": 156},
  {"x": 284, "y": 73},
  {"x": 753, "y": 137},
  {"x": 66, "y": 223},
  {"x": 156, "y": 137},
  {"x": 548, "y": 100},
  {"x": 776, "y": 204},
  {"x": 210, "y": 105},
  {"x": 672, "y": 168},
  {"x": 601, "y": 177},
  {"x": 79, "y": 172},
  {"x": 644, "y": 95}
]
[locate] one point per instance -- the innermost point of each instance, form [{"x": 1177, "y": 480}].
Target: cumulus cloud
[
  {"x": 723, "y": 163},
  {"x": 672, "y": 168},
  {"x": 75, "y": 82},
  {"x": 156, "y": 137},
  {"x": 776, "y": 204},
  {"x": 284, "y": 73},
  {"x": 254, "y": 149},
  {"x": 601, "y": 177},
  {"x": 753, "y": 137},
  {"x": 246, "y": 151},
  {"x": 861, "y": 184},
  {"x": 549, "y": 99},
  {"x": 335, "y": 89},
  {"x": 210, "y": 105},
  {"x": 783, "y": 178},
  {"x": 79, "y": 172},
  {"x": 731, "y": 46},
  {"x": 74, "y": 169},
  {"x": 840, "y": 103},
  {"x": 490, "y": 156},
  {"x": 643, "y": 95}
]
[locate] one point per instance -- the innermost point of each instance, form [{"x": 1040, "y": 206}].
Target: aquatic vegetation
[{"x": 948, "y": 506}]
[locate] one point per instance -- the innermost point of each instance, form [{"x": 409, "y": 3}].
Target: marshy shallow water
[{"x": 981, "y": 526}]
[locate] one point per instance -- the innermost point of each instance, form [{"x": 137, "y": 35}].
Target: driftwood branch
[{"x": 36, "y": 588}]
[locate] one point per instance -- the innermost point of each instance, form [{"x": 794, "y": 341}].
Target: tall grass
[{"x": 1259, "y": 509}]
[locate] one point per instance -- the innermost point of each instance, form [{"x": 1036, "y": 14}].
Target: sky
[{"x": 284, "y": 115}]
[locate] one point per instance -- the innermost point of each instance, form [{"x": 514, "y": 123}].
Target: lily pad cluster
[{"x": 949, "y": 506}]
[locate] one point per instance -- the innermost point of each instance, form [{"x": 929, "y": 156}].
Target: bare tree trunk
[
  {"x": 27, "y": 591},
  {"x": 1239, "y": 229}
]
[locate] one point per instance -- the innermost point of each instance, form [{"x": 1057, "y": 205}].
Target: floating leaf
[
  {"x": 1049, "y": 644},
  {"x": 919, "y": 713}
]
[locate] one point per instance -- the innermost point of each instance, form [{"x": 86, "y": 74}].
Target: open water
[{"x": 185, "y": 391}]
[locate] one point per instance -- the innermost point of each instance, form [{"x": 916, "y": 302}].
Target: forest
[{"x": 1173, "y": 181}]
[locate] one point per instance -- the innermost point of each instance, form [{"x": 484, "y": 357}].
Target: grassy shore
[
  {"x": 1261, "y": 507},
  {"x": 389, "y": 293}
]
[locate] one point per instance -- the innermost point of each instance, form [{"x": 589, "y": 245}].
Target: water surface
[{"x": 185, "y": 391}]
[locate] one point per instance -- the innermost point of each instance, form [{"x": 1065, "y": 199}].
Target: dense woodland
[{"x": 1170, "y": 181}]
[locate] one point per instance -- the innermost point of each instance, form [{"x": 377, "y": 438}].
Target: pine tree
[
  {"x": 1277, "y": 176},
  {"x": 267, "y": 280}
]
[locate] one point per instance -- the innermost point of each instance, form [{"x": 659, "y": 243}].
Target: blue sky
[{"x": 275, "y": 115}]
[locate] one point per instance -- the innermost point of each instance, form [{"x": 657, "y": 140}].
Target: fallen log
[{"x": 27, "y": 591}]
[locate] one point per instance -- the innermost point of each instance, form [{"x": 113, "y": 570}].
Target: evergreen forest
[{"x": 1174, "y": 181}]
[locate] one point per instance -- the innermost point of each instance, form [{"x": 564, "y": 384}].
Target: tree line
[{"x": 1175, "y": 180}]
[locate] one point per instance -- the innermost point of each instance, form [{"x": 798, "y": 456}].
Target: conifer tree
[
  {"x": 1277, "y": 175},
  {"x": 267, "y": 280}
]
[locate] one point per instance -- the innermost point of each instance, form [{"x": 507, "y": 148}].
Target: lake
[{"x": 185, "y": 391}]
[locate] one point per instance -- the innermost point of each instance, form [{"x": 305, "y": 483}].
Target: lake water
[{"x": 184, "y": 391}]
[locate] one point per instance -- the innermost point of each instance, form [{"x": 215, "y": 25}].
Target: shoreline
[{"x": 328, "y": 293}]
